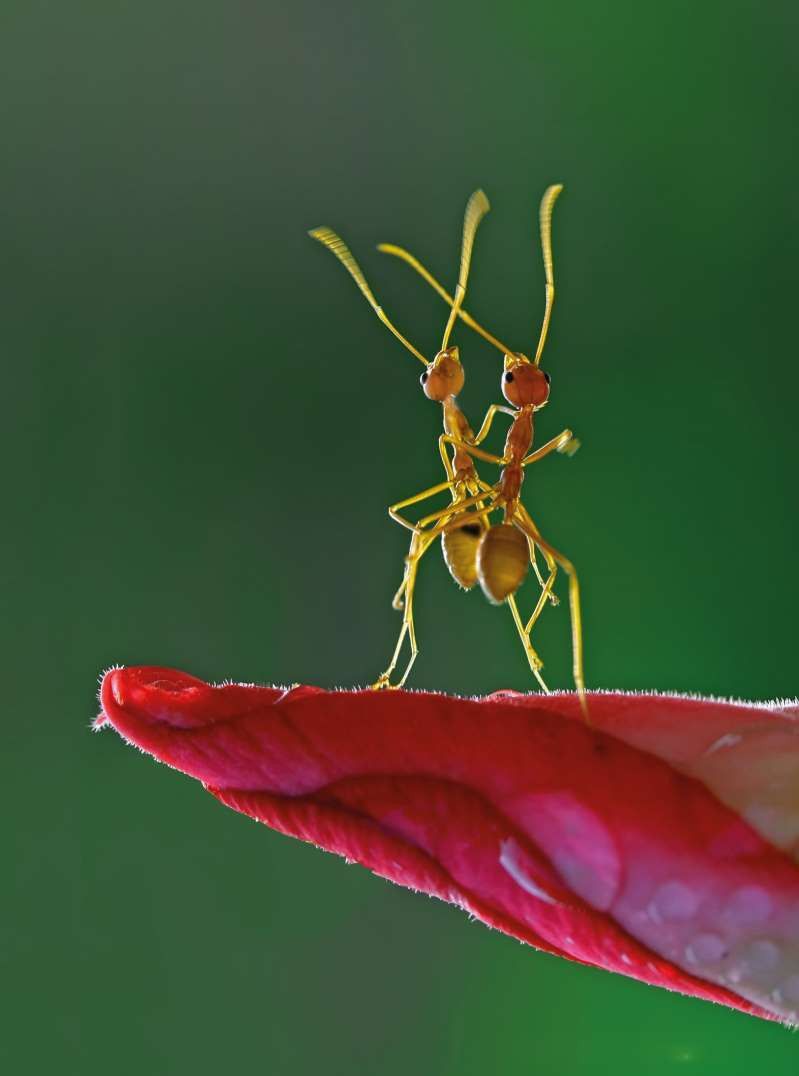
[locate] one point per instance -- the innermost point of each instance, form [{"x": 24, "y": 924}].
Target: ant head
[
  {"x": 444, "y": 376},
  {"x": 523, "y": 383}
]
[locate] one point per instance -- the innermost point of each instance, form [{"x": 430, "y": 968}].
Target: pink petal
[{"x": 659, "y": 843}]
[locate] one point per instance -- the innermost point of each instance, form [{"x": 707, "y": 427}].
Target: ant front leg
[
  {"x": 468, "y": 446},
  {"x": 490, "y": 415},
  {"x": 393, "y": 509},
  {"x": 565, "y": 442}
]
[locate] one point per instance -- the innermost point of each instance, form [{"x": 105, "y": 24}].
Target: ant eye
[
  {"x": 509, "y": 376},
  {"x": 423, "y": 378},
  {"x": 548, "y": 378}
]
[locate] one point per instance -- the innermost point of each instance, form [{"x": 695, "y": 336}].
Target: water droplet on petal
[
  {"x": 729, "y": 739},
  {"x": 674, "y": 902},
  {"x": 749, "y": 905},
  {"x": 706, "y": 949},
  {"x": 578, "y": 842}
]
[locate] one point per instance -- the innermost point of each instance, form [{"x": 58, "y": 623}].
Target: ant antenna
[
  {"x": 338, "y": 247},
  {"x": 466, "y": 318},
  {"x": 476, "y": 208},
  {"x": 545, "y": 216}
]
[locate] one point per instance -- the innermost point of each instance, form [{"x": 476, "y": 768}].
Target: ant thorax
[
  {"x": 520, "y": 436},
  {"x": 456, "y": 425},
  {"x": 517, "y": 445}
]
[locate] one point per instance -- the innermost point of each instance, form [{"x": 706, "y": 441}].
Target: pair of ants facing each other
[{"x": 495, "y": 554}]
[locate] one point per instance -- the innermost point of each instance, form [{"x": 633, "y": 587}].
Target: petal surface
[{"x": 660, "y": 842}]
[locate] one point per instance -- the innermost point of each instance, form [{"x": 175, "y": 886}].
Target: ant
[
  {"x": 442, "y": 381},
  {"x": 503, "y": 549}
]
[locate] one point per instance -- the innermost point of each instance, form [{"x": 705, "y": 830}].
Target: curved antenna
[
  {"x": 466, "y": 318},
  {"x": 338, "y": 247},
  {"x": 545, "y": 216},
  {"x": 476, "y": 208}
]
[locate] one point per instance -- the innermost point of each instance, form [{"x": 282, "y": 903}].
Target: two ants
[{"x": 497, "y": 555}]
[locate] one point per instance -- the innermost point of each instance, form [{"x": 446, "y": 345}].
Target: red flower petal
[{"x": 662, "y": 843}]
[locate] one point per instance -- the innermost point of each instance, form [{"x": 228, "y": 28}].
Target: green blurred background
[{"x": 204, "y": 424}]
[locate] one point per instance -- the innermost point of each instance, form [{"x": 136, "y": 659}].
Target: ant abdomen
[
  {"x": 459, "y": 547},
  {"x": 503, "y": 558}
]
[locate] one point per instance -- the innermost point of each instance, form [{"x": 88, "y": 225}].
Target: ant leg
[
  {"x": 546, "y": 594},
  {"x": 537, "y": 570},
  {"x": 416, "y": 529},
  {"x": 396, "y": 601},
  {"x": 393, "y": 509},
  {"x": 384, "y": 679},
  {"x": 442, "y": 451},
  {"x": 420, "y": 543},
  {"x": 490, "y": 415},
  {"x": 553, "y": 598},
  {"x": 531, "y": 531},
  {"x": 551, "y": 565},
  {"x": 536, "y": 664},
  {"x": 407, "y": 627},
  {"x": 565, "y": 443},
  {"x": 456, "y": 506},
  {"x": 408, "y": 618},
  {"x": 468, "y": 446}
]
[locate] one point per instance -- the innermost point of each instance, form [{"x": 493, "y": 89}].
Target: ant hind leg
[
  {"x": 535, "y": 662},
  {"x": 532, "y": 532},
  {"x": 414, "y": 553},
  {"x": 525, "y": 524},
  {"x": 419, "y": 546}
]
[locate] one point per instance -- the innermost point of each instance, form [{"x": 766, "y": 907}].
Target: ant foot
[
  {"x": 553, "y": 599},
  {"x": 398, "y": 603},
  {"x": 383, "y": 683}
]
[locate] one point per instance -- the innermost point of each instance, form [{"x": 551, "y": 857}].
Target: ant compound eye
[
  {"x": 509, "y": 376},
  {"x": 424, "y": 377},
  {"x": 548, "y": 379}
]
